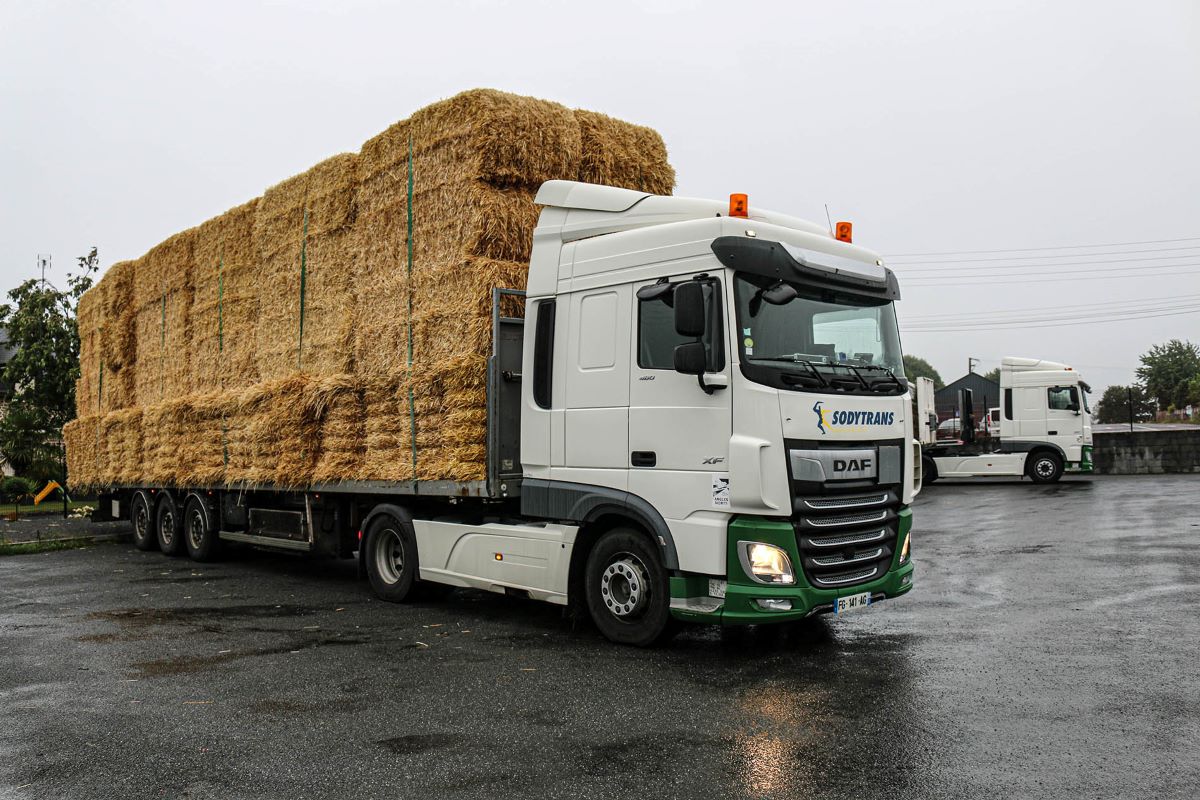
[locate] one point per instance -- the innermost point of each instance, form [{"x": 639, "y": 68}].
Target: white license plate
[{"x": 851, "y": 603}]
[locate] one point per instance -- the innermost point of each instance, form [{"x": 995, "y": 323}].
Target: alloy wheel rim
[{"x": 389, "y": 556}]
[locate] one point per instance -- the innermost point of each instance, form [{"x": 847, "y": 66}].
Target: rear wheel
[
  {"x": 169, "y": 526},
  {"x": 200, "y": 535},
  {"x": 627, "y": 589},
  {"x": 929, "y": 472},
  {"x": 1044, "y": 467},
  {"x": 143, "y": 527},
  {"x": 391, "y": 558}
]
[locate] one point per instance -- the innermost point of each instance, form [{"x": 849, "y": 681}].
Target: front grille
[
  {"x": 836, "y": 503},
  {"x": 845, "y": 549},
  {"x": 843, "y": 520}
]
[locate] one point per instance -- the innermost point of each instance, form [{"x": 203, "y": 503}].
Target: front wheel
[
  {"x": 391, "y": 559},
  {"x": 143, "y": 527},
  {"x": 1045, "y": 467},
  {"x": 627, "y": 589}
]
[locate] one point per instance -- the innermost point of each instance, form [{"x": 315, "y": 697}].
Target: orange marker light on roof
[
  {"x": 739, "y": 205},
  {"x": 844, "y": 231}
]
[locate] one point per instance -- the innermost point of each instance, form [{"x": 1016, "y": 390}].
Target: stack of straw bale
[{"x": 270, "y": 345}]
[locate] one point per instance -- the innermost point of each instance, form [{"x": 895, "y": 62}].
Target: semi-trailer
[{"x": 691, "y": 410}]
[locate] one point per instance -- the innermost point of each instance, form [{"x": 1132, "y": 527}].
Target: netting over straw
[{"x": 271, "y": 345}]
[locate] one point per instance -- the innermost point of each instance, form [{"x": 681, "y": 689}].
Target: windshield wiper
[
  {"x": 889, "y": 372},
  {"x": 811, "y": 367}
]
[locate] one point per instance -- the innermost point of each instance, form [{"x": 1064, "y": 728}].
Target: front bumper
[
  {"x": 694, "y": 598},
  {"x": 1084, "y": 464}
]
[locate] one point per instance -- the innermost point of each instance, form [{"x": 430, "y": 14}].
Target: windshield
[{"x": 821, "y": 330}]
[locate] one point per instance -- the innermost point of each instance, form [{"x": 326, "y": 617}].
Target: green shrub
[{"x": 14, "y": 488}]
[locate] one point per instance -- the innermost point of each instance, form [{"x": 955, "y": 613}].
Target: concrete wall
[{"x": 1147, "y": 452}]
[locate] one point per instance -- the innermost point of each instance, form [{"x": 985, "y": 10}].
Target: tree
[
  {"x": 993, "y": 375},
  {"x": 41, "y": 328},
  {"x": 1167, "y": 370},
  {"x": 917, "y": 367},
  {"x": 1114, "y": 404}
]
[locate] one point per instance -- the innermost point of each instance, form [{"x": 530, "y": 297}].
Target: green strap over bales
[
  {"x": 303, "y": 282},
  {"x": 412, "y": 413},
  {"x": 100, "y": 391}
]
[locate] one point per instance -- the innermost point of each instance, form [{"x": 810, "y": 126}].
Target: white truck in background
[{"x": 1045, "y": 427}]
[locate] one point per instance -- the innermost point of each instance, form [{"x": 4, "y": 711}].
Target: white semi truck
[
  {"x": 1045, "y": 427},
  {"x": 702, "y": 417}
]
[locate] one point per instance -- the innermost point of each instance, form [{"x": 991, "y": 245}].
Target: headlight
[
  {"x": 766, "y": 563},
  {"x": 904, "y": 549}
]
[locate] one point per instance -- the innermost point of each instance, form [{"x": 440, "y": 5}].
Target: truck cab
[
  {"x": 1045, "y": 428},
  {"x": 730, "y": 389}
]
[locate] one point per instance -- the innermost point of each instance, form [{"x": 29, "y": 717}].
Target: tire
[
  {"x": 142, "y": 518},
  {"x": 199, "y": 534},
  {"x": 168, "y": 526},
  {"x": 391, "y": 559},
  {"x": 1044, "y": 466},
  {"x": 628, "y": 595},
  {"x": 929, "y": 473}
]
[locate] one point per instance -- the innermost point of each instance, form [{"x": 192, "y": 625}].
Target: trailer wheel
[
  {"x": 1044, "y": 466},
  {"x": 929, "y": 472},
  {"x": 627, "y": 589},
  {"x": 391, "y": 559},
  {"x": 143, "y": 525},
  {"x": 200, "y": 535},
  {"x": 168, "y": 526}
]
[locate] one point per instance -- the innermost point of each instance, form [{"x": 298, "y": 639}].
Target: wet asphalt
[{"x": 1051, "y": 648}]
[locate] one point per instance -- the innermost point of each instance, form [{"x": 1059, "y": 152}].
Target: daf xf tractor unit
[
  {"x": 1045, "y": 427},
  {"x": 701, "y": 417}
]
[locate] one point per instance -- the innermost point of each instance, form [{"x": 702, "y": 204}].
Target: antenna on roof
[{"x": 829, "y": 219}]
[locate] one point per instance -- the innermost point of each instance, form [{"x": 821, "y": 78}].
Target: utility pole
[
  {"x": 1129, "y": 389},
  {"x": 43, "y": 265},
  {"x": 971, "y": 362}
]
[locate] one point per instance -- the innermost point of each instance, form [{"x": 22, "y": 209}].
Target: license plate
[{"x": 851, "y": 603}]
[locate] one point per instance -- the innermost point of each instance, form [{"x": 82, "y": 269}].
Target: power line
[
  {"x": 1042, "y": 279},
  {"x": 1058, "y": 247},
  {"x": 1132, "y": 303},
  {"x": 1081, "y": 316},
  {"x": 1056, "y": 255},
  {"x": 1071, "y": 323},
  {"x": 925, "y": 266}
]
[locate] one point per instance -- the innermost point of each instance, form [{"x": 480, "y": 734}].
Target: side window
[
  {"x": 1008, "y": 407},
  {"x": 543, "y": 354},
  {"x": 657, "y": 338},
  {"x": 1062, "y": 398}
]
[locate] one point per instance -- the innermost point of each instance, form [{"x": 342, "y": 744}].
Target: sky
[{"x": 1048, "y": 152}]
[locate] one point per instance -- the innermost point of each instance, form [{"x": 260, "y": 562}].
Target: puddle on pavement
[
  {"x": 419, "y": 743},
  {"x": 180, "y": 665}
]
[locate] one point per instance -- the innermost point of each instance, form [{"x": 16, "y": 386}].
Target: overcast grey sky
[{"x": 933, "y": 126}]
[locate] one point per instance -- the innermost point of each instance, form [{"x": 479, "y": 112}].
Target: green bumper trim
[{"x": 740, "y": 606}]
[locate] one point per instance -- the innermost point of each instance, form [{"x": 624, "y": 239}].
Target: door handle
[
  {"x": 643, "y": 458},
  {"x": 1052, "y": 433}
]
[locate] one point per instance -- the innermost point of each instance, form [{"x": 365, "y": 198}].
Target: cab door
[
  {"x": 1064, "y": 420},
  {"x": 678, "y": 433}
]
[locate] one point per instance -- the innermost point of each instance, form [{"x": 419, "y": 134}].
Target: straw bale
[
  {"x": 618, "y": 153},
  {"x": 81, "y": 436},
  {"x": 164, "y": 428},
  {"x": 167, "y": 267},
  {"x": 121, "y": 438},
  {"x": 164, "y": 341},
  {"x": 388, "y": 434},
  {"x": 225, "y": 301},
  {"x": 202, "y": 451},
  {"x": 325, "y": 194},
  {"x": 506, "y": 139},
  {"x": 342, "y": 431},
  {"x": 118, "y": 344}
]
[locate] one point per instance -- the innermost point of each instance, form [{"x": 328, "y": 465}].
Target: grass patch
[{"x": 44, "y": 546}]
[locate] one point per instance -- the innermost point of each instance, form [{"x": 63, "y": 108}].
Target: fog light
[
  {"x": 906, "y": 580},
  {"x": 904, "y": 550},
  {"x": 774, "y": 605},
  {"x": 766, "y": 563}
]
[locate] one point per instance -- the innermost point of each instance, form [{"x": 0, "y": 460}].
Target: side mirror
[
  {"x": 689, "y": 311},
  {"x": 690, "y": 358}
]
